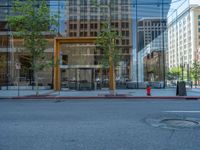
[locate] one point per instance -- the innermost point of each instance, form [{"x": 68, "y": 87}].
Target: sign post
[{"x": 18, "y": 67}]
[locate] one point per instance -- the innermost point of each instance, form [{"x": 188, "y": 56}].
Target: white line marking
[{"x": 182, "y": 111}]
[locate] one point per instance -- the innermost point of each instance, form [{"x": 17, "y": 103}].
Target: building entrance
[
  {"x": 78, "y": 65},
  {"x": 78, "y": 79},
  {"x": 71, "y": 64}
]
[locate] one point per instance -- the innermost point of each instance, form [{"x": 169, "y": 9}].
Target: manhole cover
[
  {"x": 173, "y": 122},
  {"x": 182, "y": 123}
]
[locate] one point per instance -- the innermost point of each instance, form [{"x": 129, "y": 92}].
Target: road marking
[{"x": 182, "y": 111}]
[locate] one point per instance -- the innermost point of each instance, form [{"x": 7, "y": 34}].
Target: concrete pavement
[{"x": 161, "y": 93}]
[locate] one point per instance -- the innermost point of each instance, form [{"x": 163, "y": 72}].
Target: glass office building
[{"x": 144, "y": 43}]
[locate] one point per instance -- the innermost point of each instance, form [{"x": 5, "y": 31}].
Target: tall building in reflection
[
  {"x": 85, "y": 19},
  {"x": 8, "y": 55},
  {"x": 149, "y": 29},
  {"x": 183, "y": 24},
  {"x": 151, "y": 49}
]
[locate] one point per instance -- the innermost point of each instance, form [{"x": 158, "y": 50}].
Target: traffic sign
[{"x": 18, "y": 66}]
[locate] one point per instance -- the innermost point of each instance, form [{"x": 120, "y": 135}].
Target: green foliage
[
  {"x": 195, "y": 70},
  {"x": 94, "y": 2},
  {"x": 31, "y": 20},
  {"x": 174, "y": 73},
  {"x": 106, "y": 41}
]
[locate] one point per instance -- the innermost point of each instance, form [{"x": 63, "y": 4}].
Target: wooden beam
[
  {"x": 57, "y": 79},
  {"x": 57, "y": 42},
  {"x": 76, "y": 40}
]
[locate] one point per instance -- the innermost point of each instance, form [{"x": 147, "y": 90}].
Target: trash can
[{"x": 181, "y": 89}]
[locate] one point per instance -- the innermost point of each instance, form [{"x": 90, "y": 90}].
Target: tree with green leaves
[
  {"x": 195, "y": 71},
  {"x": 174, "y": 73},
  {"x": 30, "y": 22},
  {"x": 107, "y": 41}
]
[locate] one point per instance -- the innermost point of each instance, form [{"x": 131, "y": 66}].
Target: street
[{"x": 99, "y": 125}]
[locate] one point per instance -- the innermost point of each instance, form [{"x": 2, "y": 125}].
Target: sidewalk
[
  {"x": 14, "y": 93},
  {"x": 139, "y": 93}
]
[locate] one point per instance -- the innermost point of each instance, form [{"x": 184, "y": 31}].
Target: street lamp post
[
  {"x": 182, "y": 68},
  {"x": 163, "y": 44},
  {"x": 188, "y": 72}
]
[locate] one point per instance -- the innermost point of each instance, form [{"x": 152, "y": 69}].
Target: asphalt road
[{"x": 98, "y": 125}]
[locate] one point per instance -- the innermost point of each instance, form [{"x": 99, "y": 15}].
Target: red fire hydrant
[{"x": 148, "y": 90}]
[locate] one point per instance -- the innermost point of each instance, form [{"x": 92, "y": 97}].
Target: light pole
[
  {"x": 188, "y": 72},
  {"x": 136, "y": 13},
  {"x": 163, "y": 44},
  {"x": 182, "y": 68}
]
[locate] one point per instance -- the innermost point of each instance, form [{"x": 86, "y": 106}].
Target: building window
[
  {"x": 125, "y": 51},
  {"x": 124, "y": 16},
  {"x": 124, "y": 8},
  {"x": 73, "y": 26},
  {"x": 125, "y": 25},
  {"x": 125, "y": 42},
  {"x": 93, "y": 17},
  {"x": 93, "y": 26},
  {"x": 83, "y": 34},
  {"x": 114, "y": 25},
  {"x": 114, "y": 16},
  {"x": 93, "y": 34},
  {"x": 72, "y": 2},
  {"x": 84, "y": 17},
  {"x": 73, "y": 18},
  {"x": 83, "y": 26},
  {"x": 199, "y": 30},
  {"x": 104, "y": 2},
  {"x": 83, "y": 9},
  {"x": 124, "y": 2},
  {"x": 73, "y": 9},
  {"x": 72, "y": 34},
  {"x": 117, "y": 42},
  {"x": 125, "y": 33},
  {"x": 103, "y": 10},
  {"x": 199, "y": 17},
  {"x": 103, "y": 18},
  {"x": 113, "y": 1},
  {"x": 83, "y": 2},
  {"x": 93, "y": 9}
]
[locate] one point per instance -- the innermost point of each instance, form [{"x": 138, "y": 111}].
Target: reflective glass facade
[{"x": 154, "y": 37}]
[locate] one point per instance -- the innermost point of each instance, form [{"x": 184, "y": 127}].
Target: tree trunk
[
  {"x": 195, "y": 82},
  {"x": 112, "y": 84},
  {"x": 36, "y": 83}
]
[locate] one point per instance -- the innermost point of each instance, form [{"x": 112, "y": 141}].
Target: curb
[{"x": 105, "y": 97}]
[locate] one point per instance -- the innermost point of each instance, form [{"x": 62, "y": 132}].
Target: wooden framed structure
[
  {"x": 80, "y": 40},
  {"x": 57, "y": 45}
]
